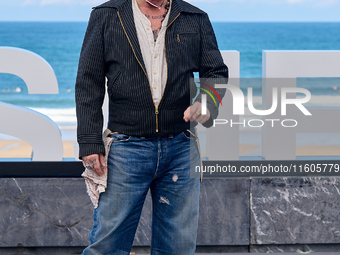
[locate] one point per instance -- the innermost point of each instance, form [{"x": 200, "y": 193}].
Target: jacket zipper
[
  {"x": 156, "y": 112},
  {"x": 166, "y": 71},
  {"x": 134, "y": 53}
]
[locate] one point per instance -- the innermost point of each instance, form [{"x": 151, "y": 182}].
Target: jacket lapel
[
  {"x": 175, "y": 10},
  {"x": 127, "y": 20}
]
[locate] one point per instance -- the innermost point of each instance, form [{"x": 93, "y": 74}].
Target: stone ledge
[
  {"x": 44, "y": 212},
  {"x": 294, "y": 210},
  {"x": 57, "y": 212}
]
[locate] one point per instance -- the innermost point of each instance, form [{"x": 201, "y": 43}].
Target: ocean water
[{"x": 59, "y": 43}]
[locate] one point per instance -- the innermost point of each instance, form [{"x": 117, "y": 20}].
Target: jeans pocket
[
  {"x": 190, "y": 134},
  {"x": 120, "y": 138}
]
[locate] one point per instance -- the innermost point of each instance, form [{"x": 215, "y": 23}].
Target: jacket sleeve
[
  {"x": 212, "y": 70},
  {"x": 90, "y": 88}
]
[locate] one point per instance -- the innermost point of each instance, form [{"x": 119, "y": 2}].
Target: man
[{"x": 148, "y": 51}]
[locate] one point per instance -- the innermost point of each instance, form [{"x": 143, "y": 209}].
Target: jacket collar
[
  {"x": 125, "y": 14},
  {"x": 124, "y": 6},
  {"x": 177, "y": 5}
]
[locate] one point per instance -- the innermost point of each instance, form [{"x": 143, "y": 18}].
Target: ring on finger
[
  {"x": 197, "y": 114},
  {"x": 90, "y": 167}
]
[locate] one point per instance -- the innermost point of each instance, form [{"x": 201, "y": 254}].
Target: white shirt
[{"x": 153, "y": 52}]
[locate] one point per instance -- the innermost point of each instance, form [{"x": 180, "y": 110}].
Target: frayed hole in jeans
[{"x": 164, "y": 200}]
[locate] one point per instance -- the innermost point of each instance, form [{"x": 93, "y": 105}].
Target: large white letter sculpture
[
  {"x": 284, "y": 67},
  {"x": 38, "y": 130}
]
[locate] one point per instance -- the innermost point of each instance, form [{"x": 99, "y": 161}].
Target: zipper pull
[
  {"x": 178, "y": 40},
  {"x": 156, "y": 112}
]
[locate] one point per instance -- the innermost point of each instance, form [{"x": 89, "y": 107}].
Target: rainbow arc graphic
[{"x": 209, "y": 93}]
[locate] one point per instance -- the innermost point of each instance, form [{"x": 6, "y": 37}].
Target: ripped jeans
[{"x": 135, "y": 165}]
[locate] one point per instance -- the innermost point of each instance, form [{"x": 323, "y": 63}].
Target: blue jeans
[{"x": 135, "y": 165}]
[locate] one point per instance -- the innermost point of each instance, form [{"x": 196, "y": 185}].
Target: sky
[{"x": 218, "y": 10}]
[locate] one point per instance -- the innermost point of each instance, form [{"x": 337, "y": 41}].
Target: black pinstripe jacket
[{"x": 111, "y": 49}]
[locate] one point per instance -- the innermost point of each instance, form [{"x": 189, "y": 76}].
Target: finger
[
  {"x": 87, "y": 160},
  {"x": 194, "y": 116},
  {"x": 193, "y": 110},
  {"x": 98, "y": 169},
  {"x": 186, "y": 114},
  {"x": 203, "y": 118},
  {"x": 102, "y": 160}
]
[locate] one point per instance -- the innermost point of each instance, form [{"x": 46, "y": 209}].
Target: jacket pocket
[
  {"x": 183, "y": 35},
  {"x": 187, "y": 45},
  {"x": 113, "y": 83}
]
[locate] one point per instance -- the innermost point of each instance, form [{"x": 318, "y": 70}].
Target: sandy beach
[{"x": 21, "y": 149}]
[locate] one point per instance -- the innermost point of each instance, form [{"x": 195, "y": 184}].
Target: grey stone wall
[
  {"x": 236, "y": 212},
  {"x": 44, "y": 212},
  {"x": 295, "y": 210}
]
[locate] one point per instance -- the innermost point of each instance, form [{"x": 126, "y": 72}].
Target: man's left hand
[{"x": 193, "y": 113}]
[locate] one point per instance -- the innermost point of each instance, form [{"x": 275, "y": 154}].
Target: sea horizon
[{"x": 59, "y": 43}]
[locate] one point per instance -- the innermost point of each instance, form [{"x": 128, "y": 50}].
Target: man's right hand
[{"x": 95, "y": 162}]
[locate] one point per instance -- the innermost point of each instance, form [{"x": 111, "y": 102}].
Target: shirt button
[
  {"x": 155, "y": 56},
  {"x": 147, "y": 28},
  {"x": 154, "y": 72},
  {"x": 151, "y": 42},
  {"x": 154, "y": 87}
]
